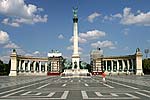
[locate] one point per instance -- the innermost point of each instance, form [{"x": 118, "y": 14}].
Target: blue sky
[{"x": 35, "y": 27}]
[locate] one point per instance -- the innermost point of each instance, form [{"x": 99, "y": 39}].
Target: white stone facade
[
  {"x": 27, "y": 65},
  {"x": 129, "y": 64}
]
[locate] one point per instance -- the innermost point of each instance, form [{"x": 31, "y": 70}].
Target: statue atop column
[{"x": 75, "y": 10}]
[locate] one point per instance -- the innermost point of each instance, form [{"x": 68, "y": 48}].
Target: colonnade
[
  {"x": 26, "y": 66},
  {"x": 118, "y": 65}
]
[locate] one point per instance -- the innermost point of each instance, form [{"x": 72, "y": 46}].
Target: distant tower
[{"x": 75, "y": 56}]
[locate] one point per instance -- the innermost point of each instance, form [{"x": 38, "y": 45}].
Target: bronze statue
[{"x": 75, "y": 10}]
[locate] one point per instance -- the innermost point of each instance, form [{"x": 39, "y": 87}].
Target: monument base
[
  {"x": 13, "y": 73},
  {"x": 76, "y": 72}
]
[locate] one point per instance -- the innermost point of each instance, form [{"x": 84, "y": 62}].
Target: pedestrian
[{"x": 103, "y": 77}]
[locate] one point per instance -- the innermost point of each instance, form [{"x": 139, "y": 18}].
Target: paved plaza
[{"x": 45, "y": 88}]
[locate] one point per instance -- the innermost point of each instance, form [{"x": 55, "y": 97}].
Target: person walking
[{"x": 103, "y": 77}]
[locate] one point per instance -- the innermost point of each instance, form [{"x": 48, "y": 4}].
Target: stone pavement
[
  {"x": 139, "y": 80},
  {"x": 73, "y": 88},
  {"x": 6, "y": 81}
]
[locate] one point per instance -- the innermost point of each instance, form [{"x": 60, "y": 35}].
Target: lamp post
[{"x": 146, "y": 51}]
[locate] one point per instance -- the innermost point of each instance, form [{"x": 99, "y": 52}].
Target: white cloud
[
  {"x": 6, "y": 54},
  {"x": 19, "y": 12},
  {"x": 117, "y": 15},
  {"x": 5, "y": 58},
  {"x": 138, "y": 11},
  {"x": 7, "y": 22},
  {"x": 60, "y": 36},
  {"x": 104, "y": 44},
  {"x": 71, "y": 48},
  {"x": 81, "y": 40},
  {"x": 94, "y": 34},
  {"x": 4, "y": 37},
  {"x": 11, "y": 45},
  {"x": 89, "y": 35},
  {"x": 112, "y": 17},
  {"x": 93, "y": 16},
  {"x": 28, "y": 54},
  {"x": 129, "y": 18},
  {"x": 139, "y": 19},
  {"x": 36, "y": 52},
  {"x": 108, "y": 18}
]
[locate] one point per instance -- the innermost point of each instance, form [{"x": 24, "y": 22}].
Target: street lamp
[{"x": 146, "y": 51}]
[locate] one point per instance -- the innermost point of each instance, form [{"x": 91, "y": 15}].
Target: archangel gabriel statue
[{"x": 75, "y": 10}]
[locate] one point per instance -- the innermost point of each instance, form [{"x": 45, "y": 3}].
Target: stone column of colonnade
[
  {"x": 23, "y": 66},
  {"x": 128, "y": 66},
  {"x": 111, "y": 67},
  {"x": 123, "y": 65},
  {"x": 132, "y": 65},
  {"x": 29, "y": 66},
  {"x": 46, "y": 65},
  {"x": 40, "y": 65},
  {"x": 34, "y": 66},
  {"x": 117, "y": 66},
  {"x": 19, "y": 67}
]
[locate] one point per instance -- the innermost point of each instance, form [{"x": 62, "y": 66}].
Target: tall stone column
[
  {"x": 117, "y": 66},
  {"x": 138, "y": 56},
  {"x": 34, "y": 66},
  {"x": 112, "y": 66},
  {"x": 75, "y": 56},
  {"x": 40, "y": 66},
  {"x": 13, "y": 69},
  {"x": 132, "y": 65},
  {"x": 123, "y": 65},
  {"x": 23, "y": 66},
  {"x": 46, "y": 67},
  {"x": 19, "y": 67},
  {"x": 29, "y": 63},
  {"x": 128, "y": 66},
  {"x": 106, "y": 65}
]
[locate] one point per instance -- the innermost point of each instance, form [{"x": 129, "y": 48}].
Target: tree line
[
  {"x": 4, "y": 68},
  {"x": 146, "y": 66}
]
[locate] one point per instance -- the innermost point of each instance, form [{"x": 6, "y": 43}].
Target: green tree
[
  {"x": 1, "y": 67},
  {"x": 4, "y": 68},
  {"x": 89, "y": 67},
  {"x": 146, "y": 66}
]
